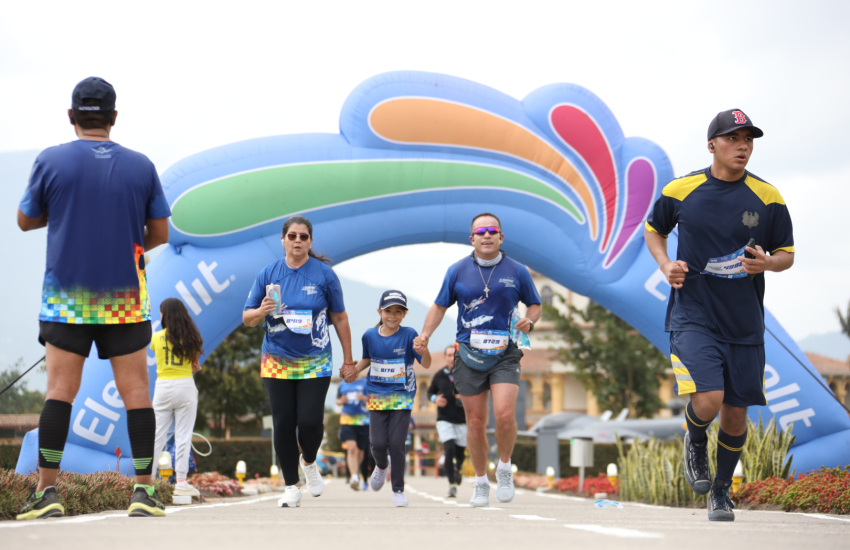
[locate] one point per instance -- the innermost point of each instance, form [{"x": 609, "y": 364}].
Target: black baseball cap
[
  {"x": 393, "y": 298},
  {"x": 97, "y": 88},
  {"x": 727, "y": 122}
]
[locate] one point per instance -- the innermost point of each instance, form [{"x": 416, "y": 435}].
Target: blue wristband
[{"x": 433, "y": 398}]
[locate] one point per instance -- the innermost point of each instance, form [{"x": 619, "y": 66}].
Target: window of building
[{"x": 546, "y": 295}]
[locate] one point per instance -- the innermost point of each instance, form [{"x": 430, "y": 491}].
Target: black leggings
[
  {"x": 454, "y": 455},
  {"x": 297, "y": 404},
  {"x": 387, "y": 433}
]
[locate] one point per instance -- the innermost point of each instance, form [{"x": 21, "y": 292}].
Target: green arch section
[{"x": 251, "y": 198}]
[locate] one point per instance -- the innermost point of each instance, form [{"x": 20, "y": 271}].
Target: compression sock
[
  {"x": 696, "y": 426},
  {"x": 52, "y": 432},
  {"x": 141, "y": 427},
  {"x": 729, "y": 449}
]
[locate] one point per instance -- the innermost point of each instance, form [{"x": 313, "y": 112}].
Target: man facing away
[
  {"x": 105, "y": 207},
  {"x": 715, "y": 315}
]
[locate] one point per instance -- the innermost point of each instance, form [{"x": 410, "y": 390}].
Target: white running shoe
[
  {"x": 480, "y": 495},
  {"x": 355, "y": 483},
  {"x": 315, "y": 483},
  {"x": 505, "y": 489},
  {"x": 291, "y": 497},
  {"x": 185, "y": 490},
  {"x": 379, "y": 476},
  {"x": 399, "y": 499}
]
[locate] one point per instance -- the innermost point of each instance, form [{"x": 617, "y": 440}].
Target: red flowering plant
[
  {"x": 215, "y": 484},
  {"x": 825, "y": 491}
]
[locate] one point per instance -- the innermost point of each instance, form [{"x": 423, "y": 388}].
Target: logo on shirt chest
[
  {"x": 310, "y": 289},
  {"x": 509, "y": 282},
  {"x": 399, "y": 351},
  {"x": 750, "y": 219}
]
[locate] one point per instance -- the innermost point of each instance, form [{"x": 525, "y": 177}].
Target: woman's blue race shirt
[
  {"x": 391, "y": 384},
  {"x": 313, "y": 288}
]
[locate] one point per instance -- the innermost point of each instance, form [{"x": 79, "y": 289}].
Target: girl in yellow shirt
[{"x": 178, "y": 347}]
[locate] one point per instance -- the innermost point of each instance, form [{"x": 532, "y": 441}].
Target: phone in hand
[{"x": 750, "y": 244}]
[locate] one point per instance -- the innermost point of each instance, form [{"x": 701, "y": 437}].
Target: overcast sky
[{"x": 191, "y": 76}]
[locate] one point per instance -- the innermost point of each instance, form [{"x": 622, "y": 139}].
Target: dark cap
[
  {"x": 729, "y": 121},
  {"x": 93, "y": 88},
  {"x": 393, "y": 298}
]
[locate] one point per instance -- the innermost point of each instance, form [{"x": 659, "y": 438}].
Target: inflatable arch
[{"x": 417, "y": 156}]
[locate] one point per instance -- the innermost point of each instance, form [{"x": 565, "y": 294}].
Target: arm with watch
[{"x": 532, "y": 315}]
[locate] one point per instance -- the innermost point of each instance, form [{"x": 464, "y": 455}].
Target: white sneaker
[
  {"x": 505, "y": 489},
  {"x": 379, "y": 476},
  {"x": 399, "y": 499},
  {"x": 480, "y": 495},
  {"x": 355, "y": 483},
  {"x": 291, "y": 497},
  {"x": 315, "y": 483},
  {"x": 185, "y": 490}
]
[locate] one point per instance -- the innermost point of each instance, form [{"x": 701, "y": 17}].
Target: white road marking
[
  {"x": 620, "y": 532},
  {"x": 531, "y": 517},
  {"x": 445, "y": 500}
]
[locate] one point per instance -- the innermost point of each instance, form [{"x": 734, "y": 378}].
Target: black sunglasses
[{"x": 292, "y": 236}]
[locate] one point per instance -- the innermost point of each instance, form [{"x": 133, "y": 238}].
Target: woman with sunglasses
[{"x": 297, "y": 298}]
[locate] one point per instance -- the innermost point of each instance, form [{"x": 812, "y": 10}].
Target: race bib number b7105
[
  {"x": 727, "y": 267},
  {"x": 387, "y": 371}
]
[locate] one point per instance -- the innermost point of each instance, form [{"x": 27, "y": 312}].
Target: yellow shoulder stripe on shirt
[
  {"x": 682, "y": 187},
  {"x": 789, "y": 249},
  {"x": 652, "y": 229},
  {"x": 766, "y": 192}
]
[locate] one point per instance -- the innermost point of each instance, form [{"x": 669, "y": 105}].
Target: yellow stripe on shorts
[{"x": 684, "y": 381}]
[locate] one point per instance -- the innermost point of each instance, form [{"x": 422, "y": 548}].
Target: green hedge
[
  {"x": 525, "y": 458},
  {"x": 225, "y": 454},
  {"x": 9, "y": 455}
]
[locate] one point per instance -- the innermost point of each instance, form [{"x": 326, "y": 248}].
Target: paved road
[{"x": 342, "y": 518}]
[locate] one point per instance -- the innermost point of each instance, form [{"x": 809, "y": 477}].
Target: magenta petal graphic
[{"x": 640, "y": 189}]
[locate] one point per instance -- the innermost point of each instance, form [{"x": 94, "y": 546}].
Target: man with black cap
[
  {"x": 728, "y": 220},
  {"x": 105, "y": 207}
]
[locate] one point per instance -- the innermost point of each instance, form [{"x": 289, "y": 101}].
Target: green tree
[
  {"x": 230, "y": 390},
  {"x": 18, "y": 399},
  {"x": 613, "y": 360},
  {"x": 845, "y": 321}
]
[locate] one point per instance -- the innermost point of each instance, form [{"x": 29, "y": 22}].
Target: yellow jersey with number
[{"x": 168, "y": 365}]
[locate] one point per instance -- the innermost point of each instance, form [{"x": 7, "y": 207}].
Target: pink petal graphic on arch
[
  {"x": 640, "y": 185},
  {"x": 583, "y": 135}
]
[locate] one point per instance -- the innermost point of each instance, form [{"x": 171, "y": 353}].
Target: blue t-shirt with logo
[
  {"x": 292, "y": 350},
  {"x": 97, "y": 196},
  {"x": 716, "y": 219},
  {"x": 354, "y": 412},
  {"x": 509, "y": 283},
  {"x": 391, "y": 383}
]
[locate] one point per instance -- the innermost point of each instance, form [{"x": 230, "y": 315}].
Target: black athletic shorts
[
  {"x": 360, "y": 434},
  {"x": 111, "y": 340}
]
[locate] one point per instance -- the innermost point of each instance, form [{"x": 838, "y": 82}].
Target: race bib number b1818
[{"x": 727, "y": 267}]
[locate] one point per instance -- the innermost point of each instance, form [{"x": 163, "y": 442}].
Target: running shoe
[
  {"x": 379, "y": 476},
  {"x": 315, "y": 483},
  {"x": 291, "y": 497},
  {"x": 355, "y": 484},
  {"x": 459, "y": 479},
  {"x": 399, "y": 499},
  {"x": 145, "y": 503},
  {"x": 505, "y": 489},
  {"x": 42, "y": 505},
  {"x": 364, "y": 486},
  {"x": 719, "y": 504},
  {"x": 452, "y": 491},
  {"x": 697, "y": 470},
  {"x": 185, "y": 490},
  {"x": 480, "y": 495}
]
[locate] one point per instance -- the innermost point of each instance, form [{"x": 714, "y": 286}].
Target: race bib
[
  {"x": 352, "y": 398},
  {"x": 491, "y": 342},
  {"x": 727, "y": 267},
  {"x": 387, "y": 371},
  {"x": 299, "y": 321}
]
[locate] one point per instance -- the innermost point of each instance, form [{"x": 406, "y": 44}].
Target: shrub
[
  {"x": 80, "y": 493},
  {"x": 213, "y": 483},
  {"x": 825, "y": 491},
  {"x": 525, "y": 458},
  {"x": 9, "y": 455}
]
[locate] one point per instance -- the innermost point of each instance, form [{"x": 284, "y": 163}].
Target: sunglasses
[
  {"x": 491, "y": 230},
  {"x": 292, "y": 236}
]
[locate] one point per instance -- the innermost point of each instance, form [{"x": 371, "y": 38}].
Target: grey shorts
[{"x": 472, "y": 382}]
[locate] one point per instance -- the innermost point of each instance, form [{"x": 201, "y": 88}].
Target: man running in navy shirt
[
  {"x": 487, "y": 286},
  {"x": 715, "y": 315},
  {"x": 105, "y": 207}
]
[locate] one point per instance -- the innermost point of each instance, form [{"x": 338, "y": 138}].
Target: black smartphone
[{"x": 750, "y": 255}]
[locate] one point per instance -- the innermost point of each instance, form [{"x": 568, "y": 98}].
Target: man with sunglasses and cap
[
  {"x": 728, "y": 220},
  {"x": 487, "y": 287}
]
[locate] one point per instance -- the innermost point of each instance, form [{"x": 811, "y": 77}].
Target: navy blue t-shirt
[
  {"x": 716, "y": 219},
  {"x": 298, "y": 351},
  {"x": 391, "y": 383},
  {"x": 354, "y": 412},
  {"x": 509, "y": 283},
  {"x": 97, "y": 196}
]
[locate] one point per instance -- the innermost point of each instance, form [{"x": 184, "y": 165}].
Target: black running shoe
[
  {"x": 42, "y": 507},
  {"x": 144, "y": 504},
  {"x": 697, "y": 470},
  {"x": 719, "y": 504}
]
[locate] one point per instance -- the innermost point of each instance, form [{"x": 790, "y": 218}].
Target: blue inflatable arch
[{"x": 418, "y": 155}]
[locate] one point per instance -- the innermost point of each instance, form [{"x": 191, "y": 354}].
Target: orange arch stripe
[{"x": 436, "y": 122}]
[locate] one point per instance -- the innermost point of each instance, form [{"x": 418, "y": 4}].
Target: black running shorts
[
  {"x": 360, "y": 434},
  {"x": 111, "y": 340}
]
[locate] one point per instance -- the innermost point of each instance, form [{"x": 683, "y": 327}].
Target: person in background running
[
  {"x": 353, "y": 425},
  {"x": 451, "y": 420},
  {"x": 389, "y": 353},
  {"x": 178, "y": 347}
]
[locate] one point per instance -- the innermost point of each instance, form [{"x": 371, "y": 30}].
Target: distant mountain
[{"x": 832, "y": 344}]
